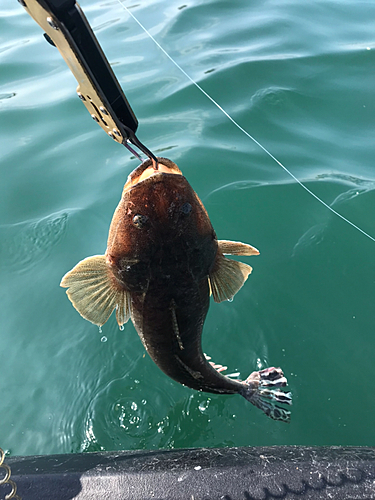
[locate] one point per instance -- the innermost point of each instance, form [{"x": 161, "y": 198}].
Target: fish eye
[
  {"x": 186, "y": 208},
  {"x": 140, "y": 221}
]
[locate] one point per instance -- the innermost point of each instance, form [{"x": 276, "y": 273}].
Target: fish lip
[
  {"x": 133, "y": 178},
  {"x": 137, "y": 172},
  {"x": 153, "y": 178}
]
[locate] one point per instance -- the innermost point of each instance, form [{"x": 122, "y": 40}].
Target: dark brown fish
[{"x": 162, "y": 262}]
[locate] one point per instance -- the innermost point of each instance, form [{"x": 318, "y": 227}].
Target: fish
[{"x": 162, "y": 263}]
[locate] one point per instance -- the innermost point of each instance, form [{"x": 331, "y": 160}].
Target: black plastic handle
[
  {"x": 67, "y": 29},
  {"x": 70, "y": 14}
]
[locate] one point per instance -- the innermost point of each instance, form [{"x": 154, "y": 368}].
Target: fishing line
[{"x": 242, "y": 129}]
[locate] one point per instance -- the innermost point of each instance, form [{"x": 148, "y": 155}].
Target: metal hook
[{"x": 136, "y": 142}]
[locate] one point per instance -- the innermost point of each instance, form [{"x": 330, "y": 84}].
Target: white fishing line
[{"x": 241, "y": 128}]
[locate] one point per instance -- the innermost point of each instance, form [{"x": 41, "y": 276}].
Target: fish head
[{"x": 159, "y": 219}]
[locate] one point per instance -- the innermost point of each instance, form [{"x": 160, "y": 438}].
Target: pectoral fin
[
  {"x": 227, "y": 277},
  {"x": 94, "y": 293},
  {"x": 236, "y": 248}
]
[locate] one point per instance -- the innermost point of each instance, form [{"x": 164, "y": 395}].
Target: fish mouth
[{"x": 146, "y": 170}]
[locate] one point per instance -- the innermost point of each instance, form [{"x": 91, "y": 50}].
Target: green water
[{"x": 299, "y": 76}]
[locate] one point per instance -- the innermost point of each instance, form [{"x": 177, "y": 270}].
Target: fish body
[{"x": 162, "y": 263}]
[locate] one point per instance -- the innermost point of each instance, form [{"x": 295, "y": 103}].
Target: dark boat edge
[{"x": 282, "y": 472}]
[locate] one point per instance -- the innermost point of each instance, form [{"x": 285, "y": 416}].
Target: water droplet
[
  {"x": 122, "y": 328},
  {"x": 100, "y": 329},
  {"x": 203, "y": 406},
  {"x": 134, "y": 406},
  {"x": 230, "y": 300},
  {"x": 134, "y": 420},
  {"x": 103, "y": 339}
]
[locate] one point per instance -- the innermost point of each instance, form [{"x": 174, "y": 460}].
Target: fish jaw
[{"x": 146, "y": 170}]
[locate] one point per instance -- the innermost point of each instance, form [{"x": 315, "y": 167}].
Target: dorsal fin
[
  {"x": 94, "y": 292},
  {"x": 227, "y": 277}
]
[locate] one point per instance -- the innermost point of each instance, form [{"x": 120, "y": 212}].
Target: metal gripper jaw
[{"x": 67, "y": 28}]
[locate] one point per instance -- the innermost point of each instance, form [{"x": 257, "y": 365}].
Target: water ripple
[
  {"x": 232, "y": 186},
  {"x": 26, "y": 243},
  {"x": 273, "y": 96},
  {"x": 313, "y": 236},
  {"x": 5, "y": 48},
  {"x": 7, "y": 96},
  {"x": 106, "y": 24},
  {"x": 121, "y": 416},
  {"x": 347, "y": 179}
]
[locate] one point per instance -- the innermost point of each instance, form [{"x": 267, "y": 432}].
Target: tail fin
[{"x": 260, "y": 388}]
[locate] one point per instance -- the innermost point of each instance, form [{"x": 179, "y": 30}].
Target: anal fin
[{"x": 218, "y": 368}]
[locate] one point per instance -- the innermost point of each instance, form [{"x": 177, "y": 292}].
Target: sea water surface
[{"x": 299, "y": 77}]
